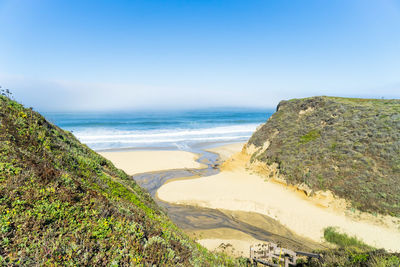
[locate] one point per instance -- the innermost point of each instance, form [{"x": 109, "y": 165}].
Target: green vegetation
[
  {"x": 63, "y": 204},
  {"x": 343, "y": 240},
  {"x": 347, "y": 145},
  {"x": 353, "y": 252},
  {"x": 310, "y": 136},
  {"x": 351, "y": 257}
]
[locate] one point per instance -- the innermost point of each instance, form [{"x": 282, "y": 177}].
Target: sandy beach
[
  {"x": 236, "y": 189},
  {"x": 133, "y": 162}
]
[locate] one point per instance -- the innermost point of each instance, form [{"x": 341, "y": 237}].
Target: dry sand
[
  {"x": 234, "y": 188},
  {"x": 226, "y": 151},
  {"x": 133, "y": 162}
]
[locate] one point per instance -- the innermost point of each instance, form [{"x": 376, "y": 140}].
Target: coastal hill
[
  {"x": 62, "y": 202},
  {"x": 349, "y": 146}
]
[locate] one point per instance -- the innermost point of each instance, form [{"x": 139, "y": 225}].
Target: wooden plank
[
  {"x": 266, "y": 263},
  {"x": 267, "y": 252},
  {"x": 312, "y": 255}
]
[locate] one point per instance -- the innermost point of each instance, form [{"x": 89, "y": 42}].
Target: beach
[
  {"x": 237, "y": 189},
  {"x": 246, "y": 195},
  {"x": 140, "y": 161}
]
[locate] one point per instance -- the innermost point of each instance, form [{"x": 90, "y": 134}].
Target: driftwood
[{"x": 270, "y": 254}]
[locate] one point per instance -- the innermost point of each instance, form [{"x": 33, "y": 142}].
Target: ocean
[{"x": 181, "y": 130}]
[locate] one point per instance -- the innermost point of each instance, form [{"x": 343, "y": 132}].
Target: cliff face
[
  {"x": 347, "y": 145},
  {"x": 62, "y": 202}
]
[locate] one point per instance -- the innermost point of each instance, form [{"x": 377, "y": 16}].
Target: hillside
[
  {"x": 60, "y": 202},
  {"x": 347, "y": 145}
]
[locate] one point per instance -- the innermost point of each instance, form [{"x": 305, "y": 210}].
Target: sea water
[{"x": 182, "y": 130}]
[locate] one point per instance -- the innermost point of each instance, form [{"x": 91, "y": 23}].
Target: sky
[{"x": 155, "y": 54}]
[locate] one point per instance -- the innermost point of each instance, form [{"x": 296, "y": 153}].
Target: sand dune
[{"x": 133, "y": 162}]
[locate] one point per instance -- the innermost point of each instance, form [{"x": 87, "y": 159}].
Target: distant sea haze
[{"x": 162, "y": 129}]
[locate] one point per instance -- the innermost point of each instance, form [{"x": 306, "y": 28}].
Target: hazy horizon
[{"x": 177, "y": 55}]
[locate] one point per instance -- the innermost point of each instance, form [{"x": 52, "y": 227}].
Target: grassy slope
[
  {"x": 61, "y": 202},
  {"x": 350, "y": 146}
]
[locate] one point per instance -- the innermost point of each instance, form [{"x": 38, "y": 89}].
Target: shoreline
[{"x": 196, "y": 147}]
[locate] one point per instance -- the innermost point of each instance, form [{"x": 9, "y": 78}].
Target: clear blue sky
[{"x": 91, "y": 55}]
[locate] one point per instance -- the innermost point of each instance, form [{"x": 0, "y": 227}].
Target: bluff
[
  {"x": 349, "y": 146},
  {"x": 61, "y": 202}
]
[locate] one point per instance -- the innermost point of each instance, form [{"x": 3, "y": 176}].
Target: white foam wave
[
  {"x": 139, "y": 141},
  {"x": 176, "y": 137},
  {"x": 115, "y": 134}
]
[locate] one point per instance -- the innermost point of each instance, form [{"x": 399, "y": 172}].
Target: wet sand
[
  {"x": 205, "y": 223},
  {"x": 133, "y": 162},
  {"x": 236, "y": 189}
]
